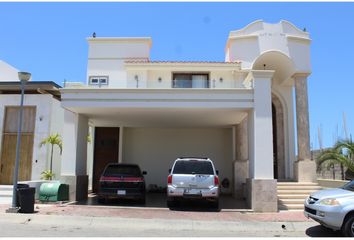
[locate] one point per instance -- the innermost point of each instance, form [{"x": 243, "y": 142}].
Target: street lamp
[{"x": 24, "y": 77}]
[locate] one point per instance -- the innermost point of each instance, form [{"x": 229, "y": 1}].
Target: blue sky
[{"x": 49, "y": 40}]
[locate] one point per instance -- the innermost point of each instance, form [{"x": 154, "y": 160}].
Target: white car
[
  {"x": 193, "y": 178},
  {"x": 333, "y": 208}
]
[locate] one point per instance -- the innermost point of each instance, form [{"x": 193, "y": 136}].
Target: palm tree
[
  {"x": 342, "y": 152},
  {"x": 53, "y": 139}
]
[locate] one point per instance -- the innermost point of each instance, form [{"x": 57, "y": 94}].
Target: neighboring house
[
  {"x": 42, "y": 116},
  {"x": 8, "y": 72},
  {"x": 240, "y": 112}
]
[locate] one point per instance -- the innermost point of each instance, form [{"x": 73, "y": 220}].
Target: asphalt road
[{"x": 22, "y": 225}]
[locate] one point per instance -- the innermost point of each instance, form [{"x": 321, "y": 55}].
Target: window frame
[
  {"x": 190, "y": 74},
  {"x": 99, "y": 78}
]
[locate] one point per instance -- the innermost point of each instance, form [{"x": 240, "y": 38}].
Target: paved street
[
  {"x": 20, "y": 225},
  {"x": 103, "y": 221}
]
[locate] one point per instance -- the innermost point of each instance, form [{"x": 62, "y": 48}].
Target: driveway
[{"x": 158, "y": 200}]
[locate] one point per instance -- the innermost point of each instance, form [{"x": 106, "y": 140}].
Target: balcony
[
  {"x": 187, "y": 83},
  {"x": 246, "y": 83}
]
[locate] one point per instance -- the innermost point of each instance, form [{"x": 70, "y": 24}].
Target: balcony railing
[
  {"x": 246, "y": 83},
  {"x": 180, "y": 83}
]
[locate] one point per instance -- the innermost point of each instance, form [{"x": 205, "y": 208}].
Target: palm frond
[
  {"x": 335, "y": 155},
  {"x": 54, "y": 139}
]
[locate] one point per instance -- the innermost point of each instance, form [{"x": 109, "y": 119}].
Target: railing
[
  {"x": 246, "y": 83},
  {"x": 180, "y": 83}
]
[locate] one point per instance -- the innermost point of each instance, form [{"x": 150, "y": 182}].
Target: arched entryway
[
  {"x": 278, "y": 138},
  {"x": 283, "y": 68}
]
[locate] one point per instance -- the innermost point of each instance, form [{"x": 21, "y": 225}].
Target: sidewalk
[
  {"x": 163, "y": 213},
  {"x": 63, "y": 220}
]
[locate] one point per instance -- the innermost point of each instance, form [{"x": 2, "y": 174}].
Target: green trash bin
[{"x": 53, "y": 191}]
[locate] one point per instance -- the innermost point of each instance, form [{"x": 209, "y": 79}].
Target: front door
[
  {"x": 275, "y": 144},
  {"x": 105, "y": 151},
  {"x": 9, "y": 140}
]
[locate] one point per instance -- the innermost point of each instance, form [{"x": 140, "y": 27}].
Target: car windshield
[
  {"x": 193, "y": 167},
  {"x": 349, "y": 186},
  {"x": 121, "y": 170}
]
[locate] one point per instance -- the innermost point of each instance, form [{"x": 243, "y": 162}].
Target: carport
[
  {"x": 152, "y": 127},
  {"x": 154, "y": 138},
  {"x": 157, "y": 128}
]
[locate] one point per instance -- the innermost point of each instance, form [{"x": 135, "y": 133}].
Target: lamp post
[{"x": 24, "y": 77}]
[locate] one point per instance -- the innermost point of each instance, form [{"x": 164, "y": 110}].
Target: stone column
[
  {"x": 74, "y": 157},
  {"x": 305, "y": 168},
  {"x": 241, "y": 171},
  {"x": 261, "y": 186}
]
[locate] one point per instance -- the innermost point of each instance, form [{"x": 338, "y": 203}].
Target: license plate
[{"x": 121, "y": 192}]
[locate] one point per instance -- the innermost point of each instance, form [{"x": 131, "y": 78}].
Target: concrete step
[
  {"x": 291, "y": 207},
  {"x": 297, "y": 184},
  {"x": 297, "y": 191},
  {"x": 6, "y": 187},
  {"x": 5, "y": 193},
  {"x": 292, "y": 196},
  {"x": 295, "y": 187},
  {"x": 291, "y": 201}
]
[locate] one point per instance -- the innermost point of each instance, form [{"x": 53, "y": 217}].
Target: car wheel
[
  {"x": 101, "y": 200},
  {"x": 216, "y": 204},
  {"x": 348, "y": 226},
  {"x": 171, "y": 203},
  {"x": 142, "y": 201}
]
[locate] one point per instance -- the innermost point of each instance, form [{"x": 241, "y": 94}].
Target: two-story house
[{"x": 240, "y": 113}]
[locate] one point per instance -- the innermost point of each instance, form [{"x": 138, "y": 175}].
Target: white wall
[
  {"x": 106, "y": 57},
  {"x": 166, "y": 79},
  {"x": 56, "y": 126},
  {"x": 8, "y": 72},
  {"x": 244, "y": 49},
  {"x": 155, "y": 149},
  {"x": 43, "y": 103},
  {"x": 260, "y": 37},
  {"x": 113, "y": 68}
]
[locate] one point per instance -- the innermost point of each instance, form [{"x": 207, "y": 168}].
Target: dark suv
[{"x": 122, "y": 181}]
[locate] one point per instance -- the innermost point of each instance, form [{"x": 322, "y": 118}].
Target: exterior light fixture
[
  {"x": 136, "y": 77},
  {"x": 23, "y": 77},
  {"x": 221, "y": 79},
  {"x": 159, "y": 79}
]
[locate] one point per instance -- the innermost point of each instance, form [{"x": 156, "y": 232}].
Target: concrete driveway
[{"x": 158, "y": 200}]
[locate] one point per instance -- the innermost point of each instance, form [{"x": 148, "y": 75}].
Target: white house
[
  {"x": 240, "y": 112},
  {"x": 42, "y": 116}
]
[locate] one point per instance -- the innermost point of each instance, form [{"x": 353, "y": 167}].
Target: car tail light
[
  {"x": 216, "y": 180},
  {"x": 102, "y": 179},
  {"x": 169, "y": 179}
]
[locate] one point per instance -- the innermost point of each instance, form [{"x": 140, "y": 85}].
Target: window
[
  {"x": 193, "y": 167},
  {"x": 190, "y": 80},
  {"x": 122, "y": 170},
  {"x": 98, "y": 80}
]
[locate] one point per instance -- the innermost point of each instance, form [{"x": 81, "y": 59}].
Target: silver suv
[
  {"x": 333, "y": 208},
  {"x": 193, "y": 178}
]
